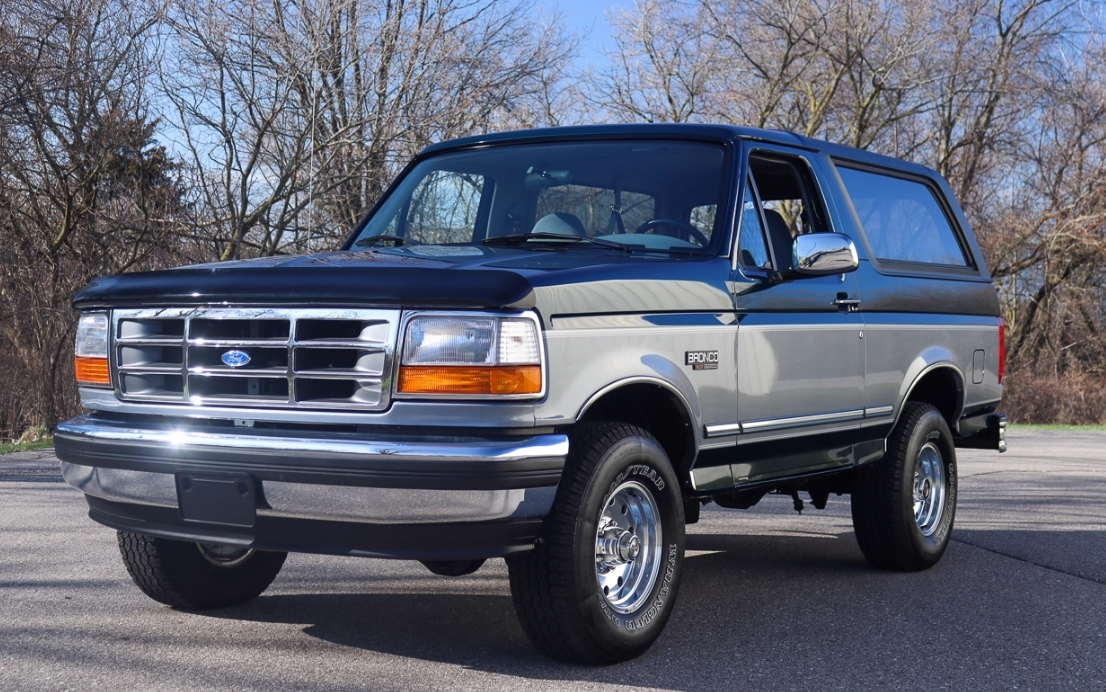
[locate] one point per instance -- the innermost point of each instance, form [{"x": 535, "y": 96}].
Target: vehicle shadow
[
  {"x": 761, "y": 612},
  {"x": 479, "y": 630}
]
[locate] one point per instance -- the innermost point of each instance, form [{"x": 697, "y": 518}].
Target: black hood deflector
[{"x": 321, "y": 285}]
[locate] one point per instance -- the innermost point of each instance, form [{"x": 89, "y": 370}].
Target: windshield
[{"x": 657, "y": 195}]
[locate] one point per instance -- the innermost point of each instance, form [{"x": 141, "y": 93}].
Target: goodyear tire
[
  {"x": 197, "y": 576},
  {"x": 602, "y": 581},
  {"x": 904, "y": 505}
]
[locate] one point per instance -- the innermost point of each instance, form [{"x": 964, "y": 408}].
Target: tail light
[{"x": 1001, "y": 349}]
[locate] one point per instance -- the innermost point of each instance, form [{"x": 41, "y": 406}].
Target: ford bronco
[{"x": 550, "y": 346}]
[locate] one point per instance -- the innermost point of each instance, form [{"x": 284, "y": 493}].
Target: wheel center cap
[
  {"x": 926, "y": 488},
  {"x": 629, "y": 546}
]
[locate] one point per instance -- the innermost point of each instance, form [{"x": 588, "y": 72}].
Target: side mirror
[{"x": 823, "y": 254}]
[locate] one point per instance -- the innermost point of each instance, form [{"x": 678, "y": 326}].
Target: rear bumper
[
  {"x": 984, "y": 431},
  {"x": 388, "y": 496}
]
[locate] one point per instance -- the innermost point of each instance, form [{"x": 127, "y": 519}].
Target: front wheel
[
  {"x": 903, "y": 505},
  {"x": 197, "y": 576},
  {"x": 602, "y": 580}
]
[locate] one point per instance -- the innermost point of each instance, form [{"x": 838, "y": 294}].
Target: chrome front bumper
[{"x": 132, "y": 477}]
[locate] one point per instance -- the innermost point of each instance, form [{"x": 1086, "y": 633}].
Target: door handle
[{"x": 844, "y": 301}]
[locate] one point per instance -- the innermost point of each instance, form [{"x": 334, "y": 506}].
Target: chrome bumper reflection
[{"x": 537, "y": 447}]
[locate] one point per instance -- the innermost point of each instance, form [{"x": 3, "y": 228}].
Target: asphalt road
[{"x": 770, "y": 601}]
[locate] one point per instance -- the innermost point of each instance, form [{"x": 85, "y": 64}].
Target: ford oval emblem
[{"x": 236, "y": 359}]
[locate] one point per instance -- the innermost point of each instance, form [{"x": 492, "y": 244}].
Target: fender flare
[
  {"x": 961, "y": 392},
  {"x": 627, "y": 381}
]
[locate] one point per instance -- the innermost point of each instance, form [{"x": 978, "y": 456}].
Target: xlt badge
[{"x": 702, "y": 360}]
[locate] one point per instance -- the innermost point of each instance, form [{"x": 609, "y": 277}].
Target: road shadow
[
  {"x": 1076, "y": 553},
  {"x": 479, "y": 631}
]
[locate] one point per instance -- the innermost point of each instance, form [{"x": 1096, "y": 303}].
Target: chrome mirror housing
[{"x": 822, "y": 254}]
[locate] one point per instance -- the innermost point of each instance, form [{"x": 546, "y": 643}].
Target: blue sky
[{"x": 587, "y": 17}]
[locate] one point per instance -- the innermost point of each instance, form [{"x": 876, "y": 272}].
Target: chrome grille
[{"x": 302, "y": 358}]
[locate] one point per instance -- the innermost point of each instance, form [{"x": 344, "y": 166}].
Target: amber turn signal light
[
  {"x": 454, "y": 379},
  {"x": 92, "y": 371}
]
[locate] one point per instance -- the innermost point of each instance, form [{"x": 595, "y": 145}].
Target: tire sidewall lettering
[
  {"x": 642, "y": 461},
  {"x": 939, "y": 538},
  {"x": 649, "y": 475},
  {"x": 643, "y": 470},
  {"x": 656, "y": 605}
]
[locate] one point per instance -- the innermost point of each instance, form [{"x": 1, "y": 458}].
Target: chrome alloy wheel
[
  {"x": 224, "y": 555},
  {"x": 628, "y": 554},
  {"x": 930, "y": 486}
]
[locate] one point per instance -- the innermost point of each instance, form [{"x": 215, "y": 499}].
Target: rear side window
[{"x": 902, "y": 219}]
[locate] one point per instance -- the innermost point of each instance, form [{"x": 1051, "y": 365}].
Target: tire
[
  {"x": 197, "y": 576},
  {"x": 452, "y": 568},
  {"x": 616, "y": 476},
  {"x": 904, "y": 505}
]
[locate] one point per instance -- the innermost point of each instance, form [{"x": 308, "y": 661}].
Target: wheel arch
[
  {"x": 654, "y": 405},
  {"x": 940, "y": 384}
]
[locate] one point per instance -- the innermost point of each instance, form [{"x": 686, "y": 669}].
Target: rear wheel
[
  {"x": 601, "y": 582},
  {"x": 197, "y": 576},
  {"x": 904, "y": 505}
]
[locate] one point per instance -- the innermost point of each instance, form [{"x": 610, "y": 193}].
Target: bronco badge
[{"x": 702, "y": 360}]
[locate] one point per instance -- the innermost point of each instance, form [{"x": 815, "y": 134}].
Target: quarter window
[
  {"x": 751, "y": 243},
  {"x": 902, "y": 219}
]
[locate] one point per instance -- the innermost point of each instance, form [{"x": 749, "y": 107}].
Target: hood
[{"x": 425, "y": 276}]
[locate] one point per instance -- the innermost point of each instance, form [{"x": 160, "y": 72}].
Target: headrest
[
  {"x": 561, "y": 223},
  {"x": 779, "y": 234}
]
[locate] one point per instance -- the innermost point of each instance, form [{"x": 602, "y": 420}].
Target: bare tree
[
  {"x": 295, "y": 114},
  {"x": 84, "y": 190},
  {"x": 663, "y": 65}
]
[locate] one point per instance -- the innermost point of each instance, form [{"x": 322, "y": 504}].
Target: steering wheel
[{"x": 694, "y": 232}]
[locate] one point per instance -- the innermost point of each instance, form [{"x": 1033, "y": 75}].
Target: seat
[
  {"x": 779, "y": 234},
  {"x": 561, "y": 223}
]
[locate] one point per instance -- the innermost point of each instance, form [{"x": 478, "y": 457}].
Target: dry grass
[{"x": 1055, "y": 399}]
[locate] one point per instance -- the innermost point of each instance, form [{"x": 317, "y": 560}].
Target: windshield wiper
[
  {"x": 526, "y": 237},
  {"x": 398, "y": 240}
]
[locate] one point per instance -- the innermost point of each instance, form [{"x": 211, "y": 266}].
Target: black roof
[{"x": 711, "y": 132}]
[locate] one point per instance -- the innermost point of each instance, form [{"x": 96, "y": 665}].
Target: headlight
[
  {"x": 482, "y": 356},
  {"x": 91, "y": 350}
]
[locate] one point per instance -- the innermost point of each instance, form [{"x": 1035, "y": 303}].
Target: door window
[{"x": 789, "y": 201}]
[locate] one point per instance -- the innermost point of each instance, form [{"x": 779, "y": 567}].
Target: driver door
[{"x": 800, "y": 352}]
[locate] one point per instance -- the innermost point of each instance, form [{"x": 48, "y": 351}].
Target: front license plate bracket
[{"x": 228, "y": 499}]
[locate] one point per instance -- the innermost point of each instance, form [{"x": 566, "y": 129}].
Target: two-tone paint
[{"x": 805, "y": 381}]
